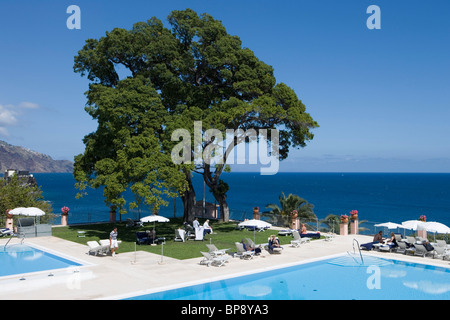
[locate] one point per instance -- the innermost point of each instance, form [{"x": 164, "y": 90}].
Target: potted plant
[
  {"x": 354, "y": 214},
  {"x": 256, "y": 213},
  {"x": 65, "y": 210},
  {"x": 344, "y": 218},
  {"x": 64, "y": 215},
  {"x": 8, "y": 215},
  {"x": 423, "y": 218},
  {"x": 294, "y": 214}
]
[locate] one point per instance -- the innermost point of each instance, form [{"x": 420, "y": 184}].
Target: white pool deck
[{"x": 107, "y": 277}]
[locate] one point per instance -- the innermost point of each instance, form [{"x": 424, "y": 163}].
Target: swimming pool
[
  {"x": 19, "y": 259},
  {"x": 337, "y": 278}
]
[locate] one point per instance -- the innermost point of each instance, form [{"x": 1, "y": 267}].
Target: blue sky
[{"x": 381, "y": 97}]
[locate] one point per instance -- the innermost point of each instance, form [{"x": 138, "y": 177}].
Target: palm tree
[
  {"x": 288, "y": 204},
  {"x": 332, "y": 222}
]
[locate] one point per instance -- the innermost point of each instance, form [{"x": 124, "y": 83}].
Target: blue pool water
[
  {"x": 336, "y": 278},
  {"x": 20, "y": 259}
]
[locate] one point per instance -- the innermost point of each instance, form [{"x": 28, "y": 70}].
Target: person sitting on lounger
[
  {"x": 206, "y": 227},
  {"x": 392, "y": 242},
  {"x": 378, "y": 237},
  {"x": 274, "y": 242},
  {"x": 248, "y": 247},
  {"x": 304, "y": 229}
]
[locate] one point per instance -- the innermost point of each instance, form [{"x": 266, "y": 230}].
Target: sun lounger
[
  {"x": 329, "y": 236},
  {"x": 134, "y": 223},
  {"x": 441, "y": 252},
  {"x": 286, "y": 232},
  {"x": 143, "y": 237},
  {"x": 310, "y": 235},
  {"x": 402, "y": 247},
  {"x": 199, "y": 233},
  {"x": 96, "y": 248},
  {"x": 441, "y": 243},
  {"x": 242, "y": 253},
  {"x": 368, "y": 246},
  {"x": 179, "y": 235},
  {"x": 298, "y": 240},
  {"x": 209, "y": 260},
  {"x": 420, "y": 250},
  {"x": 216, "y": 252},
  {"x": 273, "y": 249},
  {"x": 6, "y": 232},
  {"x": 410, "y": 241}
]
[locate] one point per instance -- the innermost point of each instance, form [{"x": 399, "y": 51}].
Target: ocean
[{"x": 378, "y": 197}]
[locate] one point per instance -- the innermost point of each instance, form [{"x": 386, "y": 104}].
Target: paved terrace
[{"x": 107, "y": 277}]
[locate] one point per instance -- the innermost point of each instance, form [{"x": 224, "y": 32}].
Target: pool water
[
  {"x": 21, "y": 259},
  {"x": 338, "y": 278}
]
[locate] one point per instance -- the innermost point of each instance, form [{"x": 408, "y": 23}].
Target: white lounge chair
[
  {"x": 242, "y": 253},
  {"x": 402, "y": 247},
  {"x": 216, "y": 252},
  {"x": 272, "y": 249},
  {"x": 329, "y": 236},
  {"x": 441, "y": 243},
  {"x": 209, "y": 260},
  {"x": 298, "y": 240},
  {"x": 420, "y": 250},
  {"x": 6, "y": 232},
  {"x": 95, "y": 248},
  {"x": 199, "y": 233},
  {"x": 410, "y": 240},
  {"x": 179, "y": 235},
  {"x": 440, "y": 252}
]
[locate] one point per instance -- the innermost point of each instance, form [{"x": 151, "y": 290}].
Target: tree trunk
[
  {"x": 224, "y": 210},
  {"x": 188, "y": 201},
  {"x": 222, "y": 200}
]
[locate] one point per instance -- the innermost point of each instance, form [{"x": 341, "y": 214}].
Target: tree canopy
[
  {"x": 151, "y": 80},
  {"x": 14, "y": 193}
]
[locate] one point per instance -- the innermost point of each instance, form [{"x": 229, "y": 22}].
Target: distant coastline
[{"x": 20, "y": 158}]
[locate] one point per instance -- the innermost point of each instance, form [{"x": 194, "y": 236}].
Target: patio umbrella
[
  {"x": 30, "y": 212},
  {"x": 436, "y": 227},
  {"x": 390, "y": 225},
  {"x": 413, "y": 224},
  {"x": 256, "y": 224},
  {"x": 154, "y": 218}
]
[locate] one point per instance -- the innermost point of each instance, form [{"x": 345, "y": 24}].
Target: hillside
[{"x": 20, "y": 158}]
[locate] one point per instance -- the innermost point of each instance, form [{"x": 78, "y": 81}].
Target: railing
[{"x": 354, "y": 251}]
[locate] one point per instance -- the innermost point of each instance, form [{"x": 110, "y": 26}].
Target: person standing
[{"x": 113, "y": 241}]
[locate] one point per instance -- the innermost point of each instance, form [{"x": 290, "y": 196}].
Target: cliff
[{"x": 20, "y": 158}]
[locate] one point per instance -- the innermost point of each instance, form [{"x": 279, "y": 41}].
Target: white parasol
[
  {"x": 436, "y": 227},
  {"x": 413, "y": 224},
  {"x": 30, "y": 212},
  {"x": 154, "y": 218},
  {"x": 255, "y": 223},
  {"x": 390, "y": 225}
]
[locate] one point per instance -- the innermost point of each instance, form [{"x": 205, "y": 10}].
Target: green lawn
[{"x": 225, "y": 235}]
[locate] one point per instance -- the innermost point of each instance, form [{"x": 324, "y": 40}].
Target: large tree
[{"x": 197, "y": 72}]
